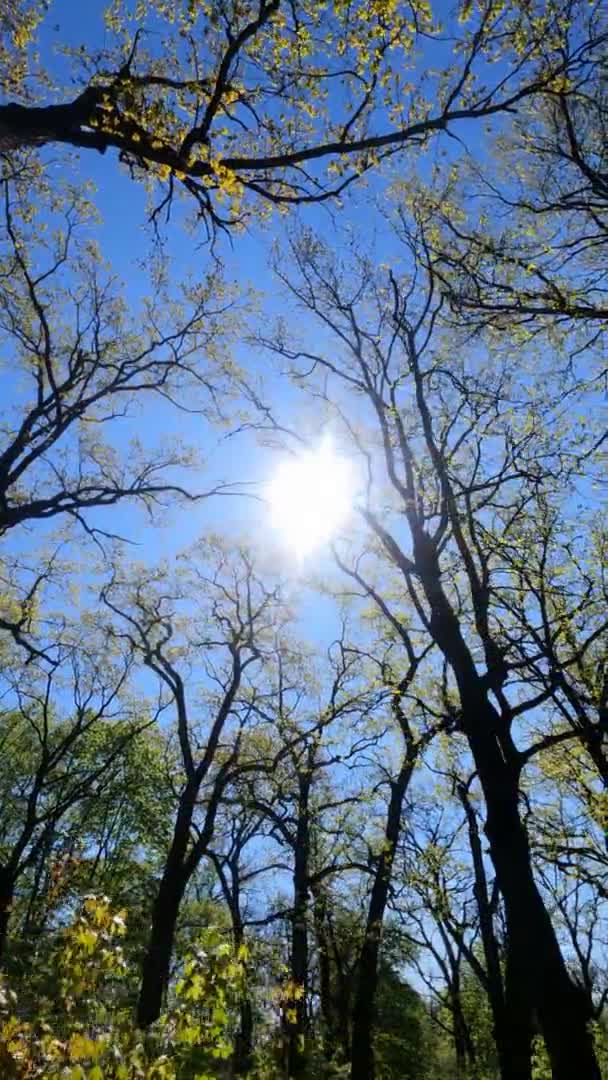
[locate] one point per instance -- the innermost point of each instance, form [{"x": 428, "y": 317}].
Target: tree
[
  {"x": 414, "y": 744},
  {"x": 86, "y": 359},
  {"x": 431, "y": 420},
  {"x": 52, "y": 763},
  {"x": 240, "y": 100},
  {"x": 545, "y": 267},
  {"x": 364, "y": 833},
  {"x": 318, "y": 734},
  {"x": 236, "y": 623}
]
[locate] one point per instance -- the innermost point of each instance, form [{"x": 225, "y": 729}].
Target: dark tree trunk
[
  {"x": 157, "y": 961},
  {"x": 534, "y": 948},
  {"x": 297, "y": 1030},
  {"x": 560, "y": 1005},
  {"x": 334, "y": 987},
  {"x": 242, "y": 1062},
  {"x": 343, "y": 1016},
  {"x": 362, "y": 1049},
  {"x": 243, "y": 1043},
  {"x": 330, "y": 1041},
  {"x": 514, "y": 1035},
  {"x": 179, "y": 867},
  {"x": 511, "y": 1011},
  {"x": 33, "y": 125},
  {"x": 7, "y": 896},
  {"x": 463, "y": 1048}
]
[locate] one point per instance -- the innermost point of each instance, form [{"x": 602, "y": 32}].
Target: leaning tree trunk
[
  {"x": 157, "y": 961},
  {"x": 508, "y": 998},
  {"x": 176, "y": 875},
  {"x": 362, "y": 1049},
  {"x": 561, "y": 1007},
  {"x": 562, "y": 1011}
]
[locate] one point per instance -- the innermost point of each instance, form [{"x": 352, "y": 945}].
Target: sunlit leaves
[
  {"x": 88, "y": 1035},
  {"x": 242, "y": 105}
]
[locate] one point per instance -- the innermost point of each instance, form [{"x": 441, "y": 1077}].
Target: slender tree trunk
[
  {"x": 242, "y": 1061},
  {"x": 7, "y": 896},
  {"x": 362, "y": 1049},
  {"x": 343, "y": 1016},
  {"x": 461, "y": 1034},
  {"x": 334, "y": 988},
  {"x": 243, "y": 1043},
  {"x": 297, "y": 1029},
  {"x": 330, "y": 1040}
]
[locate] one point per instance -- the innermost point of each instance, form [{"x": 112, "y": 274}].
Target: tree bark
[
  {"x": 534, "y": 948},
  {"x": 325, "y": 997},
  {"x": 509, "y": 1001},
  {"x": 34, "y": 125},
  {"x": 362, "y": 1049},
  {"x": 243, "y": 1043},
  {"x": 297, "y": 1030},
  {"x": 515, "y": 1031},
  {"x": 176, "y": 874},
  {"x": 7, "y": 896},
  {"x": 463, "y": 1047},
  {"x": 560, "y": 1005},
  {"x": 157, "y": 961}
]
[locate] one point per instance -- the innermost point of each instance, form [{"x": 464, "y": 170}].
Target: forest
[{"x": 303, "y": 539}]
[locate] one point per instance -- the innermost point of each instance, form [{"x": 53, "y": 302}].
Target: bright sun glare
[{"x": 310, "y": 498}]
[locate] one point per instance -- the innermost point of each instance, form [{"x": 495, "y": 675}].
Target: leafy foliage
[{"x": 87, "y": 1033}]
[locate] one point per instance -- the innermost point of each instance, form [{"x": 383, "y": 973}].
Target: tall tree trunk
[
  {"x": 560, "y": 1005},
  {"x": 343, "y": 1016},
  {"x": 243, "y": 1044},
  {"x": 176, "y": 874},
  {"x": 463, "y": 1048},
  {"x": 242, "y": 1061},
  {"x": 7, "y": 896},
  {"x": 509, "y": 1002},
  {"x": 242, "y": 1058},
  {"x": 561, "y": 1008},
  {"x": 514, "y": 1035},
  {"x": 297, "y": 1029},
  {"x": 330, "y": 1039},
  {"x": 157, "y": 961},
  {"x": 362, "y": 1049}
]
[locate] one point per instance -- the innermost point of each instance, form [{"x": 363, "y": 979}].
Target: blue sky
[{"x": 126, "y": 242}]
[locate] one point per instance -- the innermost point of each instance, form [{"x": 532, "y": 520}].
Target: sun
[{"x": 310, "y": 497}]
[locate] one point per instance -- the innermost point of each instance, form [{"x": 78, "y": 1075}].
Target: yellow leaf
[{"x": 81, "y": 1047}]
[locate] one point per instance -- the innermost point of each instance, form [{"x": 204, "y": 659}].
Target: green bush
[{"x": 86, "y": 1030}]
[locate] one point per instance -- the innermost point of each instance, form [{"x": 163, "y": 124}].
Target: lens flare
[{"x": 310, "y": 497}]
